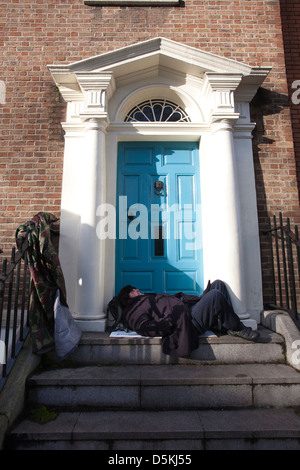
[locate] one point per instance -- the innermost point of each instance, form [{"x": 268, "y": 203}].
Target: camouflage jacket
[{"x": 46, "y": 278}]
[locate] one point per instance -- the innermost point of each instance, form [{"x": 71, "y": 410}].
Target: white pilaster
[{"x": 70, "y": 218}]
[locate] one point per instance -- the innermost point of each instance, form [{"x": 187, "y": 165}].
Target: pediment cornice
[{"x": 156, "y": 54}]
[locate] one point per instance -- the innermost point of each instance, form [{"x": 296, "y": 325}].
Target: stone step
[
  {"x": 125, "y": 394},
  {"x": 243, "y": 429},
  {"x": 99, "y": 348},
  {"x": 166, "y": 387}
]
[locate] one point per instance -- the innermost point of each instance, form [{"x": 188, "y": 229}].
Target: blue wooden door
[{"x": 159, "y": 241}]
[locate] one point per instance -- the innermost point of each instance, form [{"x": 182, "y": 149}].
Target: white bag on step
[{"x": 67, "y": 333}]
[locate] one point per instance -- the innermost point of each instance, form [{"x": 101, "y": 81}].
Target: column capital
[
  {"x": 95, "y": 123},
  {"x": 96, "y": 81},
  {"x": 214, "y": 81},
  {"x": 97, "y": 89},
  {"x": 222, "y": 122},
  {"x": 219, "y": 90}
]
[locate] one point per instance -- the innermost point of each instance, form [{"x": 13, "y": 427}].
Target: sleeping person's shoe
[{"x": 246, "y": 333}]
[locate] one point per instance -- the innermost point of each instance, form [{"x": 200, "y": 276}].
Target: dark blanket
[
  {"x": 46, "y": 278},
  {"x": 164, "y": 315}
]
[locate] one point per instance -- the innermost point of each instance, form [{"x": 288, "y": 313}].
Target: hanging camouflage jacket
[{"x": 46, "y": 278}]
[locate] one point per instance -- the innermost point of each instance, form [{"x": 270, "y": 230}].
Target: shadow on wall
[{"x": 266, "y": 146}]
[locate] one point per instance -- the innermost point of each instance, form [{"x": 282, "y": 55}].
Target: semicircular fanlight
[{"x": 158, "y": 110}]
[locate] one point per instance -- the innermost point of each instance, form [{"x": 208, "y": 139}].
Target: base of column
[{"x": 92, "y": 325}]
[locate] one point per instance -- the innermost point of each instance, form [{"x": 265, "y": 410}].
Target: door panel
[{"x": 159, "y": 242}]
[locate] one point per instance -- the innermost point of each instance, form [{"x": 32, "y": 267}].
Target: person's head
[{"x": 126, "y": 293}]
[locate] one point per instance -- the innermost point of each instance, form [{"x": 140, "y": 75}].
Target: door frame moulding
[{"x": 216, "y": 93}]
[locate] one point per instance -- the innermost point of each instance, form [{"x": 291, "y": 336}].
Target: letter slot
[{"x": 159, "y": 241}]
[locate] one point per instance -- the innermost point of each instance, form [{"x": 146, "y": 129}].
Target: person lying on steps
[{"x": 180, "y": 318}]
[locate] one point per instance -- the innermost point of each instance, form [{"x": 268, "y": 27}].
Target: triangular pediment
[
  {"x": 160, "y": 53},
  {"x": 164, "y": 52}
]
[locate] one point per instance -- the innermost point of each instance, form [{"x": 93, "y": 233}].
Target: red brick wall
[
  {"x": 34, "y": 33},
  {"x": 290, "y": 14}
]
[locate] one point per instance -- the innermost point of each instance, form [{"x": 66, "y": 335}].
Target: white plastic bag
[{"x": 67, "y": 333}]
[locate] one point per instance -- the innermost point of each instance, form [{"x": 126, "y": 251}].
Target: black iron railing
[
  {"x": 285, "y": 264},
  {"x": 14, "y": 305}
]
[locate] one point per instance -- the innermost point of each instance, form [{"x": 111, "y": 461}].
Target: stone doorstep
[
  {"x": 164, "y": 425},
  {"x": 99, "y": 348},
  {"x": 103, "y": 338}
]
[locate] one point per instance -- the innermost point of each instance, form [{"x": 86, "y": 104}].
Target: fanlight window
[{"x": 157, "y": 111}]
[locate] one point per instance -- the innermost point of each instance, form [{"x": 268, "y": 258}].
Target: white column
[
  {"x": 223, "y": 250},
  {"x": 91, "y": 253},
  {"x": 225, "y": 254},
  {"x": 89, "y": 305}
]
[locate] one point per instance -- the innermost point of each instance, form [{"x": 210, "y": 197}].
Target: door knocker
[{"x": 158, "y": 188}]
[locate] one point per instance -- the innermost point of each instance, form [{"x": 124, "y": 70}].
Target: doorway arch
[{"x": 215, "y": 93}]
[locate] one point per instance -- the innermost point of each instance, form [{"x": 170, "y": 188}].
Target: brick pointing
[{"x": 34, "y": 33}]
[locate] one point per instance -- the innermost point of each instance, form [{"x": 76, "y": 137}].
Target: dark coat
[{"x": 167, "y": 316}]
